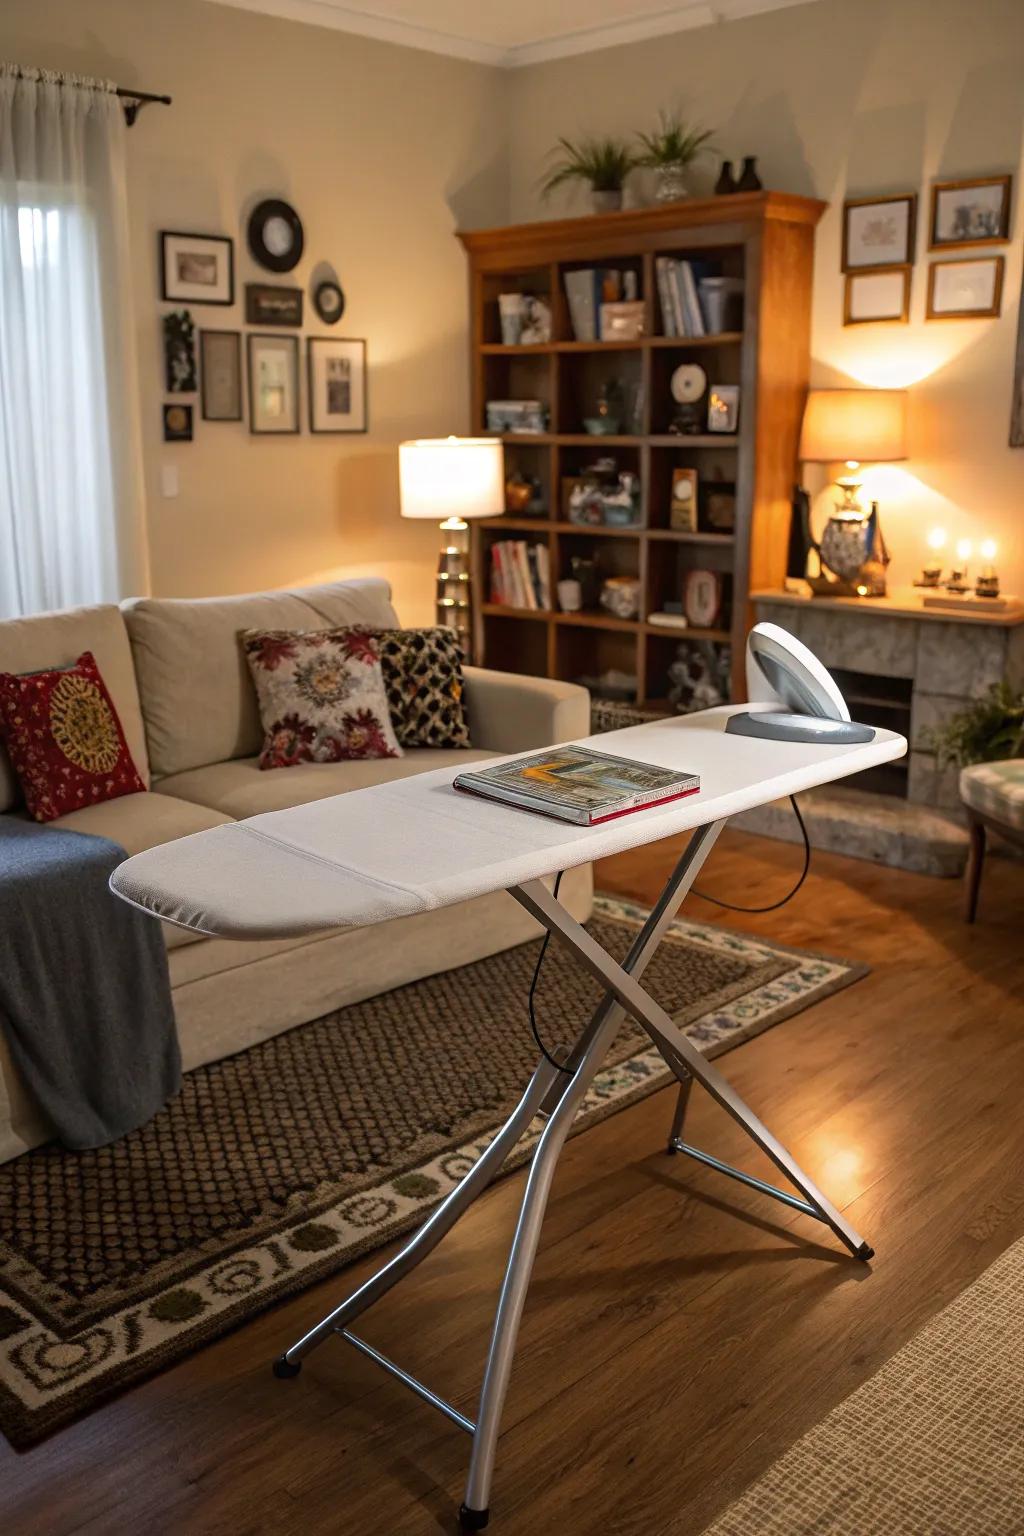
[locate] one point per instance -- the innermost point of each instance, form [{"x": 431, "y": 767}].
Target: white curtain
[{"x": 72, "y": 511}]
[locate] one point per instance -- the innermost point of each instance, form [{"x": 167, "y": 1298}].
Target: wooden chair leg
[{"x": 975, "y": 861}]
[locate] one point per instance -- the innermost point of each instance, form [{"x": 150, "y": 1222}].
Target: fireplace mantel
[{"x": 942, "y": 658}]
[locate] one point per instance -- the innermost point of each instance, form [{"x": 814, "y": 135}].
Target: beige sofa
[{"x": 179, "y": 681}]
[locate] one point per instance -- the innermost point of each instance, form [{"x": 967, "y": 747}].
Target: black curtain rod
[{"x": 134, "y": 101}]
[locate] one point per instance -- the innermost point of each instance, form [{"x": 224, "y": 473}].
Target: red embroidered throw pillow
[
  {"x": 321, "y": 695},
  {"x": 64, "y": 739}
]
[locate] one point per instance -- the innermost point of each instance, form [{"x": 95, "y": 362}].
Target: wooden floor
[{"x": 681, "y": 1331}]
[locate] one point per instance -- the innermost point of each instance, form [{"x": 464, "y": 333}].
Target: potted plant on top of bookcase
[
  {"x": 603, "y": 163},
  {"x": 670, "y": 151}
]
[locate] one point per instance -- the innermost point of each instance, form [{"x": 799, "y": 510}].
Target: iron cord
[
  {"x": 729, "y": 906},
  {"x": 772, "y": 906},
  {"x": 558, "y": 1065}
]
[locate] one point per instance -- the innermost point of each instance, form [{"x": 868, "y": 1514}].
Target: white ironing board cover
[{"x": 416, "y": 844}]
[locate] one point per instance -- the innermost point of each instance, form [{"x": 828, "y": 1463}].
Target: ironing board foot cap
[
  {"x": 285, "y": 1369},
  {"x": 473, "y": 1519}
]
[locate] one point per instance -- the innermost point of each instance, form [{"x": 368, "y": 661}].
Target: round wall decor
[
  {"x": 275, "y": 235},
  {"x": 329, "y": 302}
]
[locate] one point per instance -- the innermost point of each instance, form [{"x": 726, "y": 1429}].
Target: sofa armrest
[{"x": 509, "y": 712}]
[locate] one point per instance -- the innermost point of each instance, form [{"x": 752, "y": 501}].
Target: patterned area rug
[
  {"x": 932, "y": 1443},
  {"x": 279, "y": 1165}
]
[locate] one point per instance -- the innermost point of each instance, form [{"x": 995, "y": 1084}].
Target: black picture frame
[
  {"x": 186, "y": 294},
  {"x": 262, "y": 214},
  {"x": 321, "y": 295},
  {"x": 272, "y": 304},
  {"x": 205, "y": 337},
  {"x": 282, "y": 339},
  {"x": 174, "y": 431},
  {"x": 312, "y": 345}
]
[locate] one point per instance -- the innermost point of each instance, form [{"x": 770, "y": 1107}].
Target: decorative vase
[
  {"x": 606, "y": 202},
  {"x": 726, "y": 182},
  {"x": 749, "y": 180},
  {"x": 670, "y": 182}
]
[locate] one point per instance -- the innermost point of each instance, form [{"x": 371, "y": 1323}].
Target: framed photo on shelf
[
  {"x": 724, "y": 408},
  {"x": 273, "y": 383},
  {"x": 968, "y": 213},
  {"x": 196, "y": 269},
  {"x": 272, "y": 304},
  {"x": 878, "y": 232},
  {"x": 220, "y": 359},
  {"x": 971, "y": 289},
  {"x": 871, "y": 297},
  {"x": 337, "y": 384}
]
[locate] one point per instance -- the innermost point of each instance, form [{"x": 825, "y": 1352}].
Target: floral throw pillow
[
  {"x": 321, "y": 695},
  {"x": 423, "y": 677},
  {"x": 64, "y": 739}
]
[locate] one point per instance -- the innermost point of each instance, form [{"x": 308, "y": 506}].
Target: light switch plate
[{"x": 169, "y": 480}]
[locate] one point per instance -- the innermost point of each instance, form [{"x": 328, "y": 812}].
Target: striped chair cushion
[{"x": 996, "y": 790}]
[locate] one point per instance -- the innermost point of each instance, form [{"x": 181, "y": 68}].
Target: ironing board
[{"x": 394, "y": 849}]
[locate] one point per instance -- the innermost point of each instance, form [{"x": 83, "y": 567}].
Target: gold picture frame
[
  {"x": 969, "y": 223},
  {"x": 890, "y": 304}
]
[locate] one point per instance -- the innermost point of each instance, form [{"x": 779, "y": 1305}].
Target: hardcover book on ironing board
[{"x": 579, "y": 785}]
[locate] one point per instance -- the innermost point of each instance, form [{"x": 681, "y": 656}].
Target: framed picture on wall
[
  {"x": 273, "y": 383},
  {"x": 220, "y": 357},
  {"x": 196, "y": 269},
  {"x": 878, "y": 231},
  {"x": 1017, "y": 400},
  {"x": 966, "y": 213},
  {"x": 337, "y": 384},
  {"x": 871, "y": 297},
  {"x": 971, "y": 289}
]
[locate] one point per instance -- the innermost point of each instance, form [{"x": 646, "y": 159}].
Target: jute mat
[
  {"x": 931, "y": 1445},
  {"x": 283, "y": 1163}
]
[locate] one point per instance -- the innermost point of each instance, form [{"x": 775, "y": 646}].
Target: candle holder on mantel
[{"x": 955, "y": 592}]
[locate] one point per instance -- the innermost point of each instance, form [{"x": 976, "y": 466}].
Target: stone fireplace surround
[{"x": 947, "y": 659}]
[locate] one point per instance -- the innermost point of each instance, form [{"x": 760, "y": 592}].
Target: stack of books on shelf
[
  {"x": 520, "y": 574},
  {"x": 695, "y": 299},
  {"x": 604, "y": 304}
]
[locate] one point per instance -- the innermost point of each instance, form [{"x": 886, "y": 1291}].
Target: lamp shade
[
  {"x": 442, "y": 477},
  {"x": 862, "y": 425}
]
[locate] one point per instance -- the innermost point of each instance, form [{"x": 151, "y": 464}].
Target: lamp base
[{"x": 453, "y": 600}]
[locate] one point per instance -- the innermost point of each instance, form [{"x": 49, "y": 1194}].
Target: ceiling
[{"x": 515, "y": 32}]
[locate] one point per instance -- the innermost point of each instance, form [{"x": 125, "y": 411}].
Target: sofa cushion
[
  {"x": 197, "y": 697},
  {"x": 64, "y": 739},
  {"x": 57, "y": 640},
  {"x": 321, "y": 696},
  {"x": 423, "y": 677},
  {"x": 996, "y": 790},
  {"x": 144, "y": 821},
  {"x": 240, "y": 789}
]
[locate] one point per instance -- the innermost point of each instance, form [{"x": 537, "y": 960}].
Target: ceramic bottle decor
[
  {"x": 726, "y": 182},
  {"x": 749, "y": 180}
]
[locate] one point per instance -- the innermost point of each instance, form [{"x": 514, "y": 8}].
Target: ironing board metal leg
[
  {"x": 538, "y": 900},
  {"x": 590, "y": 1052},
  {"x": 426, "y": 1239}
]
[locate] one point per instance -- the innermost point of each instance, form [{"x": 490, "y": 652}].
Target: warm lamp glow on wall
[
  {"x": 852, "y": 427},
  {"x": 450, "y": 479}
]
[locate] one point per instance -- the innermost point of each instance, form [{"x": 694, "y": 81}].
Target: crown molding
[{"x": 681, "y": 17}]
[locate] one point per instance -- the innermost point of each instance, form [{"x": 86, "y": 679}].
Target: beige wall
[
  {"x": 849, "y": 98},
  {"x": 383, "y": 151}
]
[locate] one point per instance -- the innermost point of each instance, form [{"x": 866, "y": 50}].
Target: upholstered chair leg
[{"x": 975, "y": 860}]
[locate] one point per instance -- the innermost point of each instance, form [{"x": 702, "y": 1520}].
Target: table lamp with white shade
[{"x": 451, "y": 479}]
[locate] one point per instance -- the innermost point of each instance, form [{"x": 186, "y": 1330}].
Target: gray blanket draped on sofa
[{"x": 85, "y": 999}]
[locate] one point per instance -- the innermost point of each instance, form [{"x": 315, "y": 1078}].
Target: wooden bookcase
[{"x": 765, "y": 238}]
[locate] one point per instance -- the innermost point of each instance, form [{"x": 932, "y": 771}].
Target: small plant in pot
[
  {"x": 990, "y": 729},
  {"x": 603, "y": 164},
  {"x": 670, "y": 151}
]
